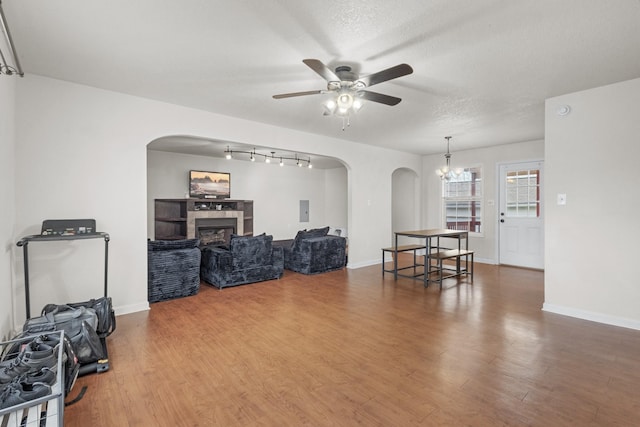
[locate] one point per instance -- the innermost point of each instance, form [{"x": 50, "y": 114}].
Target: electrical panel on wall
[{"x": 304, "y": 211}]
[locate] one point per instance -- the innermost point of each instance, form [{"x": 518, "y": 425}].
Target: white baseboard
[
  {"x": 132, "y": 308},
  {"x": 363, "y": 263},
  {"x": 592, "y": 316}
]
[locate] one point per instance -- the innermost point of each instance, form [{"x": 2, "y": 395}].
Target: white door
[{"x": 521, "y": 222}]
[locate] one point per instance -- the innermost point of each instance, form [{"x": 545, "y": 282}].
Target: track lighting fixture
[{"x": 253, "y": 154}]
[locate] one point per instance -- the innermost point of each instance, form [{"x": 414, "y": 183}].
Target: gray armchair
[
  {"x": 313, "y": 252},
  {"x": 248, "y": 259}
]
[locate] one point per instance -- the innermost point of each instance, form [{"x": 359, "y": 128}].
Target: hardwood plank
[{"x": 354, "y": 348}]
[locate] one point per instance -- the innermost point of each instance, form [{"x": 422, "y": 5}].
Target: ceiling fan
[{"x": 349, "y": 88}]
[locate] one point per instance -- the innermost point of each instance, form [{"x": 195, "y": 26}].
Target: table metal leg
[
  {"x": 427, "y": 261},
  {"x": 395, "y": 260}
]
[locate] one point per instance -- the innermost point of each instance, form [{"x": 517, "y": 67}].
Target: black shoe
[
  {"x": 17, "y": 393},
  {"x": 33, "y": 357},
  {"x": 44, "y": 375}
]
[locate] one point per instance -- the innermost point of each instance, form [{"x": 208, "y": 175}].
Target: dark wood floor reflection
[{"x": 353, "y": 348}]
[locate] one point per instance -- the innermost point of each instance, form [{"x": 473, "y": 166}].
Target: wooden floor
[{"x": 353, "y": 348}]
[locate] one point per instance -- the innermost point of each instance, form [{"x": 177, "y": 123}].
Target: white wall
[
  {"x": 592, "y": 242},
  {"x": 7, "y": 196},
  {"x": 336, "y": 199},
  {"x": 81, "y": 152},
  {"x": 405, "y": 204},
  {"x": 486, "y": 245},
  {"x": 276, "y": 191}
]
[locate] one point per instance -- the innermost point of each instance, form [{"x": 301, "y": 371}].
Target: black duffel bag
[{"x": 102, "y": 306}]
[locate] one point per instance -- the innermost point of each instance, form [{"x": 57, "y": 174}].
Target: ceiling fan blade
[
  {"x": 388, "y": 74},
  {"x": 291, "y": 95},
  {"x": 322, "y": 70},
  {"x": 379, "y": 97}
]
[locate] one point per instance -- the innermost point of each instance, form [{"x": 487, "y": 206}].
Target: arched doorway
[{"x": 275, "y": 190}]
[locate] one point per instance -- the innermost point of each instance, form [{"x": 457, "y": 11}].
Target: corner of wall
[{"x": 7, "y": 195}]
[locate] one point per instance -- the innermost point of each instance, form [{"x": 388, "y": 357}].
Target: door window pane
[{"x": 523, "y": 193}]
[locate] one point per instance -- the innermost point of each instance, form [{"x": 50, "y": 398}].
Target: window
[
  {"x": 462, "y": 201},
  {"x": 523, "y": 194}
]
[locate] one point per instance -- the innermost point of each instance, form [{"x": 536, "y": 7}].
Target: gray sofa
[
  {"x": 247, "y": 259},
  {"x": 313, "y": 252}
]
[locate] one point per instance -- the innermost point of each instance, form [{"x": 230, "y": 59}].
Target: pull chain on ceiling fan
[{"x": 348, "y": 89}]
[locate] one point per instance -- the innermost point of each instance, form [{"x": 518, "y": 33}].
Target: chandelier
[
  {"x": 446, "y": 173},
  {"x": 268, "y": 158}
]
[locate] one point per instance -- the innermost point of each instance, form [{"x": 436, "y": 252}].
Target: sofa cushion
[
  {"x": 309, "y": 234},
  {"x": 169, "y": 245},
  {"x": 249, "y": 251}
]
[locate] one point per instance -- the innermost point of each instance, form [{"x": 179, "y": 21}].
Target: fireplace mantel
[{"x": 176, "y": 218}]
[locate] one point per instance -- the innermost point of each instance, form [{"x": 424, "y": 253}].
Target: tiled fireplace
[
  {"x": 213, "y": 226},
  {"x": 215, "y": 231}
]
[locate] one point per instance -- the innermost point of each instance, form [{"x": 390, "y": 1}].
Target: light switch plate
[{"x": 562, "y": 199}]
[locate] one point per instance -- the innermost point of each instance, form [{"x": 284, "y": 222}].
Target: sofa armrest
[{"x": 216, "y": 258}]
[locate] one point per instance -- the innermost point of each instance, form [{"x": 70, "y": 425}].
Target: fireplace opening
[{"x": 215, "y": 231}]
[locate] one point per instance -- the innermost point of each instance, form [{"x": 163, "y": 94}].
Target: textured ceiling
[{"x": 482, "y": 68}]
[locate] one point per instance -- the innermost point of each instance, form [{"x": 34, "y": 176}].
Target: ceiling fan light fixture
[
  {"x": 345, "y": 101},
  {"x": 357, "y": 105},
  {"x": 347, "y": 88},
  {"x": 329, "y": 107}
]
